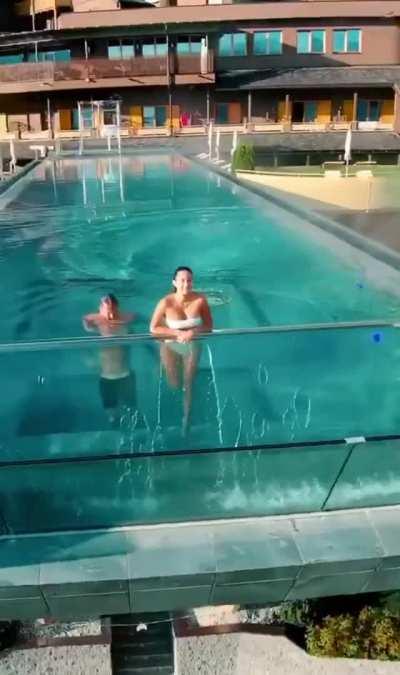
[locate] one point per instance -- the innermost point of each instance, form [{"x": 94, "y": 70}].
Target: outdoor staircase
[{"x": 143, "y": 652}]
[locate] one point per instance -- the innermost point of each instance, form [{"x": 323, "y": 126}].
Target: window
[
  {"x": 347, "y": 41},
  {"x": 368, "y": 111},
  {"x": 188, "y": 45},
  {"x": 222, "y": 113},
  {"x": 7, "y": 59},
  {"x": 232, "y": 44},
  {"x": 87, "y": 118},
  {"x": 123, "y": 49},
  {"x": 268, "y": 43},
  {"x": 154, "y": 48},
  {"x": 310, "y": 41},
  {"x": 154, "y": 116},
  {"x": 57, "y": 55}
]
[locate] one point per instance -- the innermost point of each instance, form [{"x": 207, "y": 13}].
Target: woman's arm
[
  {"x": 157, "y": 323},
  {"x": 206, "y": 326}
]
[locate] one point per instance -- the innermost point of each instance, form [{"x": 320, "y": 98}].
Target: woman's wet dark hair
[{"x": 181, "y": 269}]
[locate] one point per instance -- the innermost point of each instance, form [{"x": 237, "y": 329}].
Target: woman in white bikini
[{"x": 179, "y": 317}]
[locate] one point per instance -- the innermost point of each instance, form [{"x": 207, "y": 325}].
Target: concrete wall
[
  {"x": 374, "y": 36},
  {"x": 264, "y": 11},
  {"x": 355, "y": 193},
  {"x": 94, "y": 5}
]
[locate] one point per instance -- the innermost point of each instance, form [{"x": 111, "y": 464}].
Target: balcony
[
  {"x": 29, "y": 7},
  {"x": 92, "y": 73},
  {"x": 193, "y": 68}
]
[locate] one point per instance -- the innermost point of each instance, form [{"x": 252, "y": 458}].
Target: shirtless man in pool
[{"x": 117, "y": 381}]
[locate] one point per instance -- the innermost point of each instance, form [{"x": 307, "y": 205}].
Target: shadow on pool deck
[{"x": 380, "y": 225}]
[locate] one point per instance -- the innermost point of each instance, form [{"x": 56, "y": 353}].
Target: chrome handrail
[{"x": 90, "y": 341}]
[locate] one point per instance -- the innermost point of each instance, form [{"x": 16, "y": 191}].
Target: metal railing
[
  {"x": 93, "y": 340},
  {"x": 103, "y": 68}
]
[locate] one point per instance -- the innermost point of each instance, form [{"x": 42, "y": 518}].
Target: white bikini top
[{"x": 184, "y": 324}]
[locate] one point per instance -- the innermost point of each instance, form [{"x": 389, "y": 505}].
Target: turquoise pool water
[{"x": 76, "y": 228}]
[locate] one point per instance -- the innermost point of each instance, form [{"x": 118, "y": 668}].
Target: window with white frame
[
  {"x": 267, "y": 43},
  {"x": 232, "y": 44},
  {"x": 347, "y": 41},
  {"x": 310, "y": 41}
]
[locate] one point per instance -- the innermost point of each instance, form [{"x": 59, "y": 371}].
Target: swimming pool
[{"x": 76, "y": 228}]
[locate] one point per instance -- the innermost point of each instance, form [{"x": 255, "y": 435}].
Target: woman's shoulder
[
  {"x": 200, "y": 297},
  {"x": 167, "y": 300}
]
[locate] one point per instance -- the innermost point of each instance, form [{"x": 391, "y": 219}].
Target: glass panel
[
  {"x": 161, "y": 116},
  {"x": 275, "y": 42},
  {"x": 222, "y": 113},
  {"x": 161, "y": 48},
  {"x": 62, "y": 55},
  {"x": 75, "y": 118},
  {"x": 195, "y": 45},
  {"x": 303, "y": 42},
  {"x": 246, "y": 390},
  {"x": 260, "y": 43},
  {"x": 339, "y": 41},
  {"x": 128, "y": 491},
  {"x": 114, "y": 51},
  {"x": 149, "y": 116},
  {"x": 240, "y": 44},
  {"x": 374, "y": 111},
  {"x": 225, "y": 45},
  {"x": 362, "y": 110},
  {"x": 87, "y": 118},
  {"x": 310, "y": 111},
  {"x": 59, "y": 55},
  {"x": 366, "y": 481},
  {"x": 11, "y": 58},
  {"x": 148, "y": 49},
  {"x": 183, "y": 47},
  {"x": 354, "y": 40},
  {"x": 318, "y": 41},
  {"x": 111, "y": 404},
  {"x": 128, "y": 51}
]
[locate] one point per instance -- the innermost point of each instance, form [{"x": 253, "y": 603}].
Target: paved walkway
[{"x": 236, "y": 654}]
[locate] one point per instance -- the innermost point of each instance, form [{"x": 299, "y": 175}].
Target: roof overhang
[{"x": 354, "y": 77}]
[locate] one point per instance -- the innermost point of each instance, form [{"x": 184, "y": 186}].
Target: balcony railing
[
  {"x": 99, "y": 69},
  {"x": 81, "y": 69},
  {"x": 190, "y": 64}
]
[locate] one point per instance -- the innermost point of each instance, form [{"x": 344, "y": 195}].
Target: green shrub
[
  {"x": 297, "y": 613},
  {"x": 244, "y": 158},
  {"x": 371, "y": 633}
]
